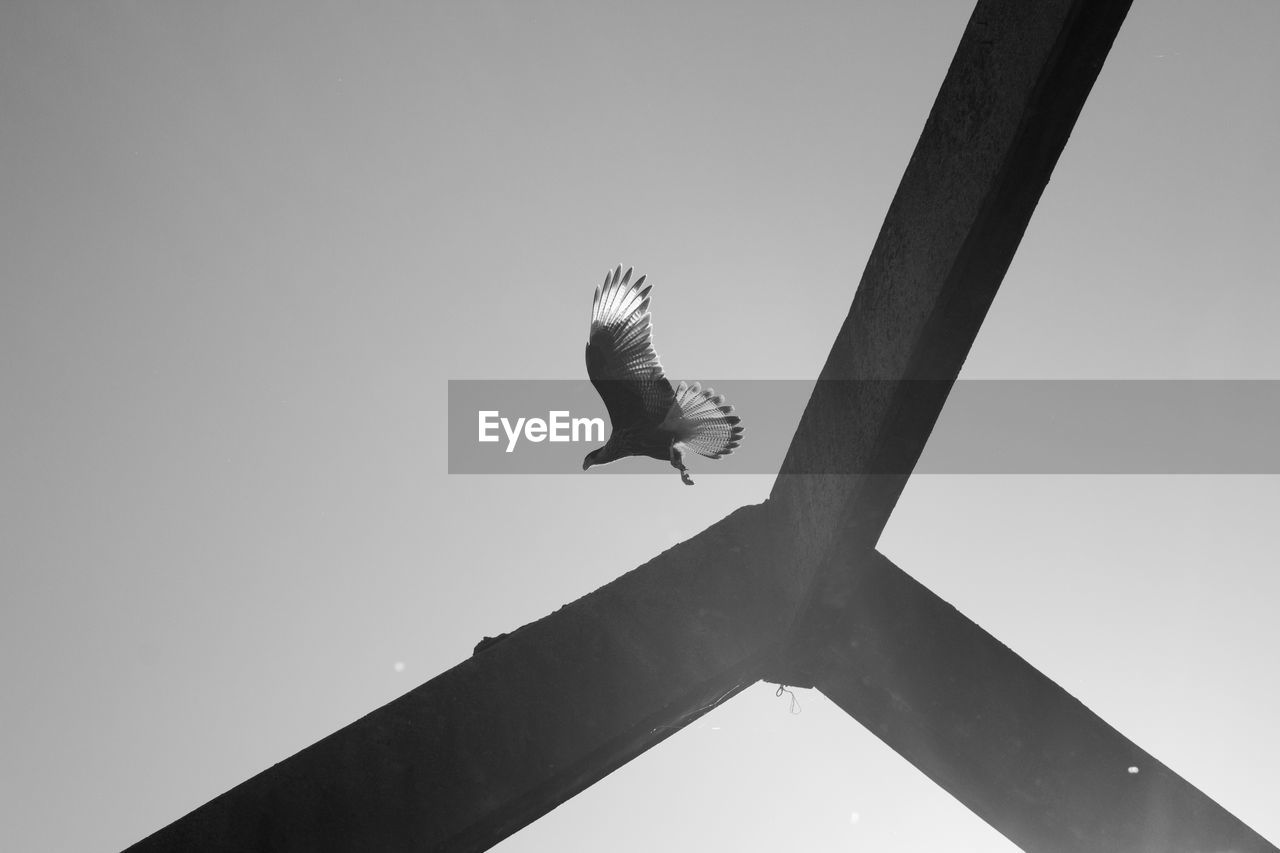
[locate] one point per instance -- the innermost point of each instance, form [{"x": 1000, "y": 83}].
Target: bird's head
[{"x": 600, "y": 456}]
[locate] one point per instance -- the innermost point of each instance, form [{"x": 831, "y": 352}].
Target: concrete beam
[
  {"x": 476, "y": 753},
  {"x": 1014, "y": 747},
  {"x": 1004, "y": 112}
]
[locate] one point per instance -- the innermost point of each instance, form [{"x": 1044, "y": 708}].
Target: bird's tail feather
[{"x": 708, "y": 425}]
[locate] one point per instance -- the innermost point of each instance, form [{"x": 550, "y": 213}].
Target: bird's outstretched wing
[{"x": 620, "y": 358}]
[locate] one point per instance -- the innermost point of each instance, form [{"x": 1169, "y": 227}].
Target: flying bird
[{"x": 648, "y": 416}]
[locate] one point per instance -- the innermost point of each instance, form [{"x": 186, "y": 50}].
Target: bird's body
[
  {"x": 649, "y": 416},
  {"x": 635, "y": 441}
]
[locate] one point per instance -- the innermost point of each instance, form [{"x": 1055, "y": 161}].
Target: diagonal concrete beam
[
  {"x": 1010, "y": 744},
  {"x": 531, "y": 719},
  {"x": 1008, "y": 104}
]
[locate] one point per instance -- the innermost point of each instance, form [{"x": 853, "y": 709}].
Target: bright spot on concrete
[
  {"x": 715, "y": 728},
  {"x": 398, "y": 666},
  {"x": 854, "y": 817},
  {"x": 1132, "y": 770}
]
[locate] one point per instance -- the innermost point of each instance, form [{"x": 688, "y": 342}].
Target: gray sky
[{"x": 244, "y": 246}]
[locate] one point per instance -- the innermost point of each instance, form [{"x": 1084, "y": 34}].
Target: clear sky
[{"x": 244, "y": 245}]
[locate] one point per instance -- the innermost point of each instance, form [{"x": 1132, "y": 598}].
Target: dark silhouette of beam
[
  {"x": 1010, "y": 744},
  {"x": 1010, "y": 99},
  {"x": 534, "y": 717}
]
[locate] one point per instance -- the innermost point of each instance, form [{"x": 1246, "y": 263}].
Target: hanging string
[{"x": 795, "y": 703}]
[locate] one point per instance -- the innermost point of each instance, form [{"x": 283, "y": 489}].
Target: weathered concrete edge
[
  {"x": 1001, "y": 737},
  {"x": 480, "y": 751}
]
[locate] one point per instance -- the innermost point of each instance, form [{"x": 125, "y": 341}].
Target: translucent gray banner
[{"x": 986, "y": 427}]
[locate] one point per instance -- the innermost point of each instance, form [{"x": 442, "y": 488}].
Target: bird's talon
[{"x": 686, "y": 479}]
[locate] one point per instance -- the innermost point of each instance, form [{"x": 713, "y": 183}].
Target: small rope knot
[{"x": 795, "y": 703}]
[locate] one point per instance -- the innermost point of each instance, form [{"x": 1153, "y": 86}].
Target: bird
[{"x": 648, "y": 417}]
